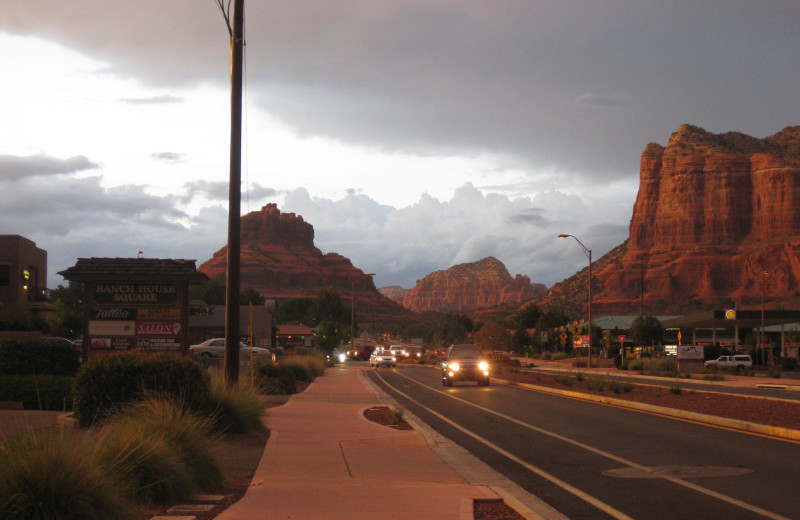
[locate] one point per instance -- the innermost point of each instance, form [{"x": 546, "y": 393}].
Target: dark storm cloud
[
  {"x": 582, "y": 86},
  {"x": 14, "y": 167}
]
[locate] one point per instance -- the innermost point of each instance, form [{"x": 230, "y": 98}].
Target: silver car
[
  {"x": 214, "y": 348},
  {"x": 382, "y": 357}
]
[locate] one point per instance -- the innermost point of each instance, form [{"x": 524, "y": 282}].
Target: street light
[
  {"x": 588, "y": 253},
  {"x": 353, "y": 313}
]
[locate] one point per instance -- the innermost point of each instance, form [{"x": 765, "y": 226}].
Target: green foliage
[
  {"x": 296, "y": 310},
  {"x": 38, "y": 357},
  {"x": 676, "y": 389},
  {"x": 251, "y": 297},
  {"x": 646, "y": 330},
  {"x": 300, "y": 368},
  {"x": 213, "y": 292},
  {"x": 788, "y": 363},
  {"x": 19, "y": 318},
  {"x": 598, "y": 384},
  {"x": 276, "y": 380},
  {"x": 145, "y": 465},
  {"x": 565, "y": 380},
  {"x": 38, "y": 392},
  {"x": 235, "y": 409},
  {"x": 108, "y": 382},
  {"x": 187, "y": 433},
  {"x": 58, "y": 478}
]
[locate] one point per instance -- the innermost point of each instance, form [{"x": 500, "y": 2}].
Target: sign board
[
  {"x": 690, "y": 352},
  {"x": 134, "y": 294},
  {"x": 622, "y": 338}
]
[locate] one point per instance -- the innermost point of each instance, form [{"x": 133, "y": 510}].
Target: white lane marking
[{"x": 554, "y": 479}]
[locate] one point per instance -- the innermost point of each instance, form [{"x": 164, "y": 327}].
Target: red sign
[
  {"x": 622, "y": 338},
  {"x": 158, "y": 328}
]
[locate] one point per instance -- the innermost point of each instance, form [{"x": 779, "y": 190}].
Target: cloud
[
  {"x": 20, "y": 167},
  {"x": 155, "y": 100},
  {"x": 169, "y": 157}
]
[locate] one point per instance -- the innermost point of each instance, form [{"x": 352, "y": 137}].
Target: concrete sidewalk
[{"x": 324, "y": 460}]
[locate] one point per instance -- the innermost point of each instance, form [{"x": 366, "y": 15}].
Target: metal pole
[
  {"x": 234, "y": 200},
  {"x": 588, "y": 253}
]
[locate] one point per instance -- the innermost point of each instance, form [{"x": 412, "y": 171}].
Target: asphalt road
[{"x": 591, "y": 461}]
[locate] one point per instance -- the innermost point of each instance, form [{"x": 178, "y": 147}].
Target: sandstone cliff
[
  {"x": 280, "y": 261},
  {"x": 714, "y": 213},
  {"x": 466, "y": 287}
]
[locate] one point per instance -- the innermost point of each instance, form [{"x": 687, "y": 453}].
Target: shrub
[
  {"x": 565, "y": 380},
  {"x": 145, "y": 465},
  {"x": 301, "y": 369},
  {"x": 788, "y": 363},
  {"x": 187, "y": 434},
  {"x": 676, "y": 389},
  {"x": 276, "y": 380},
  {"x": 111, "y": 381},
  {"x": 580, "y": 363},
  {"x": 58, "y": 477},
  {"x": 38, "y": 357},
  {"x": 235, "y": 409},
  {"x": 598, "y": 384},
  {"x": 618, "y": 388},
  {"x": 38, "y": 392}
]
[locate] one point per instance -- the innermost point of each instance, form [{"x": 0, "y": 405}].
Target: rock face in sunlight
[
  {"x": 280, "y": 261},
  {"x": 713, "y": 214},
  {"x": 466, "y": 287}
]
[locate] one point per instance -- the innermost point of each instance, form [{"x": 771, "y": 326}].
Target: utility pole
[{"x": 234, "y": 197}]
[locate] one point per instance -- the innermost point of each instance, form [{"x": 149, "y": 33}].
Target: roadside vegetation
[{"x": 150, "y": 429}]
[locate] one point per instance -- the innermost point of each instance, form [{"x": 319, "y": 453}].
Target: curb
[{"x": 734, "y": 424}]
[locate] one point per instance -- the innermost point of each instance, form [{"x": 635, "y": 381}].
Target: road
[{"x": 591, "y": 461}]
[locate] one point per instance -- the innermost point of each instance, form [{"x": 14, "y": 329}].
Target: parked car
[
  {"x": 465, "y": 362},
  {"x": 382, "y": 357},
  {"x": 214, "y": 348},
  {"x": 739, "y": 362}
]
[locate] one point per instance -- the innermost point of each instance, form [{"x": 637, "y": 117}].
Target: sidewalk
[{"x": 324, "y": 460}]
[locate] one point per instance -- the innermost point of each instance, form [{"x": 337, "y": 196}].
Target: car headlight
[
  {"x": 342, "y": 358},
  {"x": 394, "y": 358},
  {"x": 483, "y": 365},
  {"x": 454, "y": 367}
]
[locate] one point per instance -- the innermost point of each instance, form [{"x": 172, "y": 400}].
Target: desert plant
[
  {"x": 676, "y": 389},
  {"x": 188, "y": 434},
  {"x": 38, "y": 392},
  {"x": 618, "y": 387},
  {"x": 235, "y": 409},
  {"x": 58, "y": 477},
  {"x": 276, "y": 380},
  {"x": 300, "y": 366},
  {"x": 146, "y": 465},
  {"x": 113, "y": 381},
  {"x": 598, "y": 384},
  {"x": 395, "y": 416},
  {"x": 565, "y": 380}
]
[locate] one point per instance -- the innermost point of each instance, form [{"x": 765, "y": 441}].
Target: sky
[{"x": 413, "y": 135}]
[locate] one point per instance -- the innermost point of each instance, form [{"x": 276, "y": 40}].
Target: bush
[
  {"x": 788, "y": 363},
  {"x": 145, "y": 465},
  {"x": 38, "y": 357},
  {"x": 38, "y": 392},
  {"x": 565, "y": 380},
  {"x": 276, "y": 380},
  {"x": 111, "y": 381},
  {"x": 58, "y": 477},
  {"x": 301, "y": 368},
  {"x": 598, "y": 384},
  {"x": 187, "y": 434},
  {"x": 235, "y": 409}
]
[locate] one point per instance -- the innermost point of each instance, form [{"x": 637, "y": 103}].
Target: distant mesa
[
  {"x": 470, "y": 286},
  {"x": 714, "y": 213}
]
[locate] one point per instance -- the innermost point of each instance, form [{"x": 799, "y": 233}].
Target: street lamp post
[
  {"x": 588, "y": 253},
  {"x": 353, "y": 313}
]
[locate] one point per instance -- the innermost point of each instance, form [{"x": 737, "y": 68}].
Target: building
[
  {"x": 23, "y": 272},
  {"x": 257, "y": 321},
  {"x": 289, "y": 336}
]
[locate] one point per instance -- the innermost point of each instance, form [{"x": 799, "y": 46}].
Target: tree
[
  {"x": 212, "y": 292},
  {"x": 334, "y": 318},
  {"x": 647, "y": 330},
  {"x": 251, "y": 297},
  {"x": 297, "y": 310},
  {"x": 492, "y": 336}
]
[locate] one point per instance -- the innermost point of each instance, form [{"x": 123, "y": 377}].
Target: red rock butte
[
  {"x": 280, "y": 261},
  {"x": 716, "y": 216}
]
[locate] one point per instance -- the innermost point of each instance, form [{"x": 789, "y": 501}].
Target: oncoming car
[
  {"x": 382, "y": 357},
  {"x": 465, "y": 363}
]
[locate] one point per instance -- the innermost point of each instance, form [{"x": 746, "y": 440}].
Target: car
[
  {"x": 465, "y": 362},
  {"x": 360, "y": 353},
  {"x": 382, "y": 357},
  {"x": 415, "y": 353},
  {"x": 398, "y": 350},
  {"x": 214, "y": 348},
  {"x": 738, "y": 362}
]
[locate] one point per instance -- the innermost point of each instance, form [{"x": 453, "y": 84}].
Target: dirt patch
[{"x": 386, "y": 416}]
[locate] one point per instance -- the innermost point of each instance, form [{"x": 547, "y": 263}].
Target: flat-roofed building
[{"x": 23, "y": 271}]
